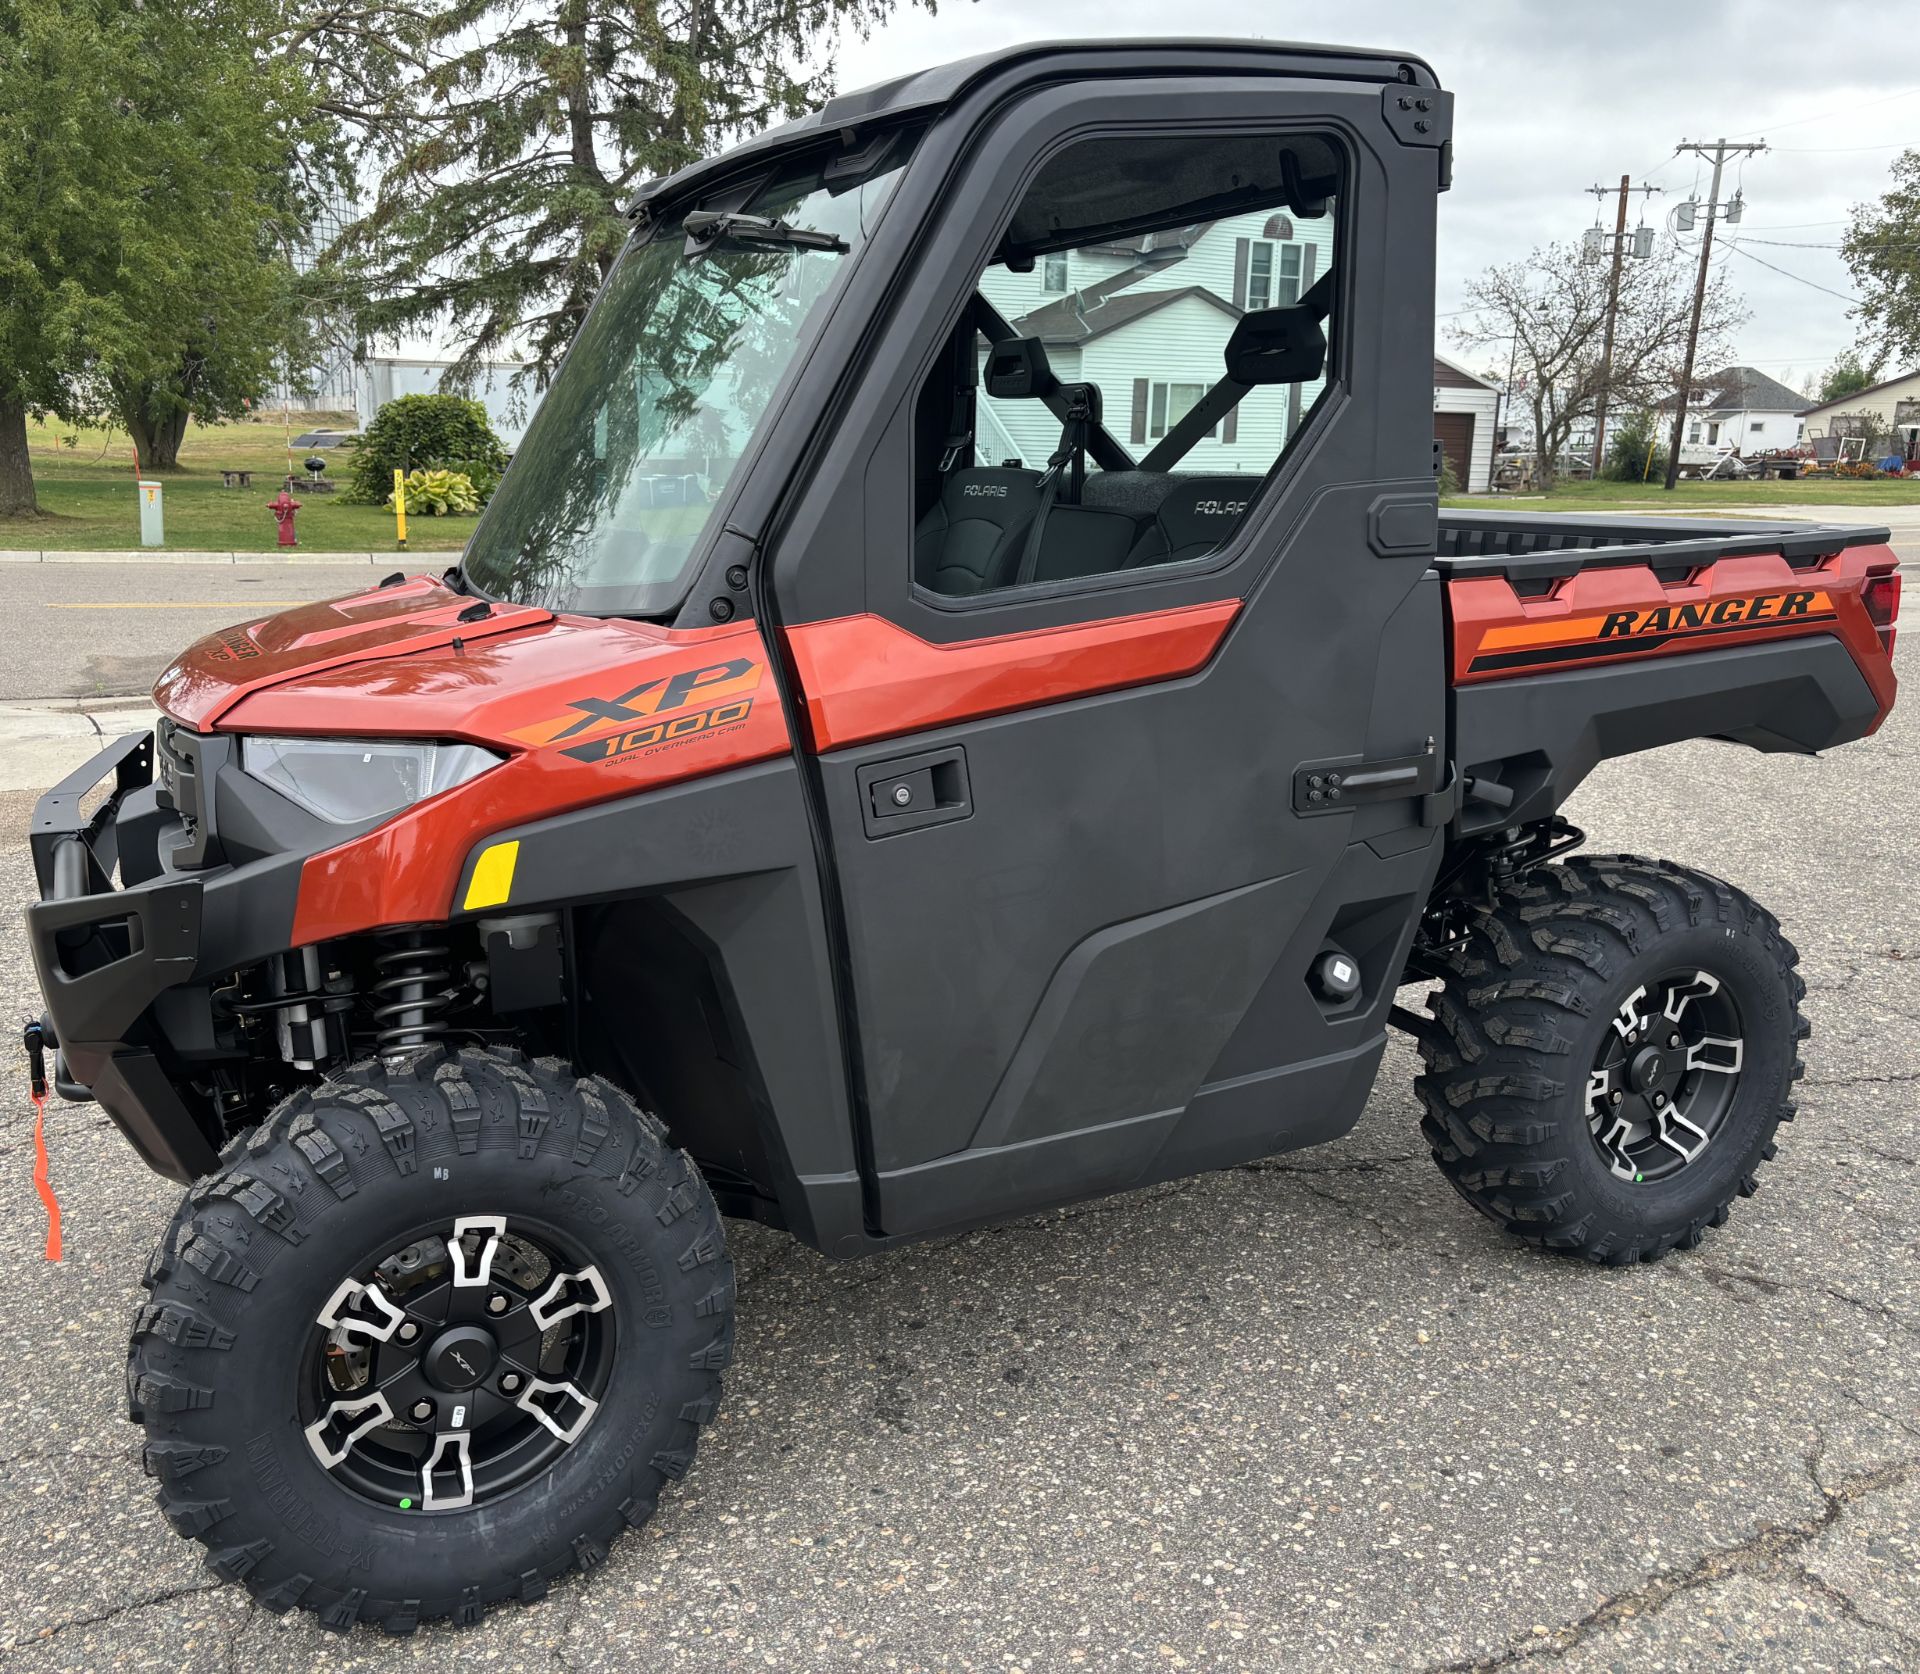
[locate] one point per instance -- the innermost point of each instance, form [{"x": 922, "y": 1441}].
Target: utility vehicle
[{"x": 964, "y": 701}]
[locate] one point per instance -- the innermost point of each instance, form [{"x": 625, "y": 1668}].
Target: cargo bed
[{"x": 1529, "y": 547}]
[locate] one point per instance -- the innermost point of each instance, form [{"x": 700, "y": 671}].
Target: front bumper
[{"x": 127, "y": 970}]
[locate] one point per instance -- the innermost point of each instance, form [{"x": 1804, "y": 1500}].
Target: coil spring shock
[{"x": 412, "y": 991}]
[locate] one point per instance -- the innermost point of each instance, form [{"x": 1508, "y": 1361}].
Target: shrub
[
  {"x": 438, "y": 492},
  {"x": 484, "y": 475},
  {"x": 415, "y": 432},
  {"x": 1633, "y": 436}
]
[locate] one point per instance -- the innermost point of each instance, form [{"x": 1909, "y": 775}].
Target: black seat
[
  {"x": 1196, "y": 515},
  {"x": 971, "y": 539}
]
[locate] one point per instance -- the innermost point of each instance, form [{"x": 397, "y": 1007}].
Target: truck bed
[
  {"x": 1572, "y": 639},
  {"x": 1532, "y": 551}
]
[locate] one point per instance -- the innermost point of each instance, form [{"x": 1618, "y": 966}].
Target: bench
[{"x": 236, "y": 479}]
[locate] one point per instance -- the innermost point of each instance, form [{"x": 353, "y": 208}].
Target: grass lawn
[
  {"x": 88, "y": 501},
  {"x": 1691, "y": 498}
]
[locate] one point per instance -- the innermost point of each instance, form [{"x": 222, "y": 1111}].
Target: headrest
[
  {"x": 1277, "y": 346},
  {"x": 1204, "y": 509},
  {"x": 1017, "y": 369}
]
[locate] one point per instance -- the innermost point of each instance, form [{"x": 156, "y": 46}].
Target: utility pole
[
  {"x": 1719, "y": 151},
  {"x": 1642, "y": 248}
]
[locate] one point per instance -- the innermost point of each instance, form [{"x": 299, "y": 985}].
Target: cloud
[{"x": 1554, "y": 98}]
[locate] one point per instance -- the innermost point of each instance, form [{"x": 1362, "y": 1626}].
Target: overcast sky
[{"x": 1552, "y": 98}]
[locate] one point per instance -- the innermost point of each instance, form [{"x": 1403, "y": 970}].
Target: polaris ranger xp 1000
[{"x": 963, "y": 701}]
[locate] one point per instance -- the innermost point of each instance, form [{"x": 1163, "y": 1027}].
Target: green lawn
[
  {"x": 1694, "y": 497},
  {"x": 88, "y": 501}
]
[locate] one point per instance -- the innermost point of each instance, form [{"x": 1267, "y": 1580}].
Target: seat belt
[
  {"x": 1201, "y": 417},
  {"x": 1070, "y": 457},
  {"x": 957, "y": 453},
  {"x": 1219, "y": 401}
]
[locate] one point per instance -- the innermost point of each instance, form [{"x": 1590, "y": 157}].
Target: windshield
[{"x": 619, "y": 474}]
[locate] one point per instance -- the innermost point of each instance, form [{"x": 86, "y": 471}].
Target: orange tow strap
[
  {"x": 36, "y": 1045},
  {"x": 42, "y": 1177}
]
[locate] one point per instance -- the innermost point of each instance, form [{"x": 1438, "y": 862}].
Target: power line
[{"x": 1784, "y": 274}]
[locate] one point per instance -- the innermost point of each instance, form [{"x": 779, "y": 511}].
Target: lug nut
[
  {"x": 1660, "y": 1099},
  {"x": 408, "y": 1331},
  {"x": 1618, "y": 1096},
  {"x": 422, "y": 1411},
  {"x": 1673, "y": 1040},
  {"x": 496, "y": 1303},
  {"x": 509, "y": 1383}
]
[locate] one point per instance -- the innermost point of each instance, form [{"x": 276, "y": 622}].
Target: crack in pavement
[
  {"x": 1769, "y": 1551},
  {"x": 1731, "y": 1281},
  {"x": 41, "y": 1635},
  {"x": 1361, "y": 1165}
]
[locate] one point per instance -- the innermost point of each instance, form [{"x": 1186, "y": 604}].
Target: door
[
  {"x": 1454, "y": 433},
  {"x": 1077, "y": 758}
]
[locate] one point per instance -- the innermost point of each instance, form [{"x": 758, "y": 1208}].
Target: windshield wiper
[{"x": 708, "y": 227}]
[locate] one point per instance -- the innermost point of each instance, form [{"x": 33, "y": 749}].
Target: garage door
[{"x": 1454, "y": 433}]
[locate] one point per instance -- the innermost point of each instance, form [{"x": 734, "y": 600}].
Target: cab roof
[{"x": 925, "y": 91}]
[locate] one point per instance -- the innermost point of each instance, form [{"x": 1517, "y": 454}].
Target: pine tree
[{"x": 511, "y": 134}]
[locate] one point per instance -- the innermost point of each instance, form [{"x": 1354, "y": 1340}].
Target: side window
[{"x": 1144, "y": 346}]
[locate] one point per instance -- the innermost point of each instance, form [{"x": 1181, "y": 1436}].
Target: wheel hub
[
  {"x": 1664, "y": 1075},
  {"x": 459, "y": 1367},
  {"x": 460, "y": 1358}
]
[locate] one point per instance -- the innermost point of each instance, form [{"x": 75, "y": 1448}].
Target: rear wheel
[
  {"x": 432, "y": 1337},
  {"x": 1612, "y": 1048}
]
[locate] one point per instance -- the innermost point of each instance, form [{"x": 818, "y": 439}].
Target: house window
[
  {"x": 1693, "y": 431},
  {"x": 1168, "y": 404},
  {"x": 1273, "y": 274},
  {"x": 1755, "y": 427},
  {"x": 1053, "y": 272},
  {"x": 1713, "y": 433}
]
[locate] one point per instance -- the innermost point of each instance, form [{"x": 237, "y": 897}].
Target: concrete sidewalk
[{"x": 41, "y": 743}]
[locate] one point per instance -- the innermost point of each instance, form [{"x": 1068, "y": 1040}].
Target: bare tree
[{"x": 1548, "y": 314}]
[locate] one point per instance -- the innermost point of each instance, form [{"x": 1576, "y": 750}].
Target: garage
[{"x": 1454, "y": 433}]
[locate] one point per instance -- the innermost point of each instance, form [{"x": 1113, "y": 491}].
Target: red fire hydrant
[{"x": 283, "y": 506}]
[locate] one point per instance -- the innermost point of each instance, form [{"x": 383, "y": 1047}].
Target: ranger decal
[{"x": 1623, "y": 632}]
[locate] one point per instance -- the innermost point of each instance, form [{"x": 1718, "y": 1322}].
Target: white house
[
  {"x": 1878, "y": 412},
  {"x": 1146, "y": 319},
  {"x": 1742, "y": 409}
]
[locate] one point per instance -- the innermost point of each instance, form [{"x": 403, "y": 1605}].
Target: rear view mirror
[{"x": 1277, "y": 346}]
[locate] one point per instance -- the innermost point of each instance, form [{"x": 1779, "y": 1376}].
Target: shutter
[
  {"x": 1231, "y": 428},
  {"x": 1137, "y": 430},
  {"x": 1240, "y": 253},
  {"x": 1307, "y": 254}
]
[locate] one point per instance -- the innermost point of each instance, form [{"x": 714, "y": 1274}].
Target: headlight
[{"x": 348, "y": 780}]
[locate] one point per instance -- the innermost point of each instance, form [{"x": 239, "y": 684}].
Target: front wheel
[
  {"x": 434, "y": 1336},
  {"x": 1612, "y": 1048}
]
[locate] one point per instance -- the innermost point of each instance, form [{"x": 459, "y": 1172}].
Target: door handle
[{"x": 907, "y": 793}]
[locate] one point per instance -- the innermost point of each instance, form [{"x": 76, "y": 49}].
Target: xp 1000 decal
[{"x": 667, "y": 709}]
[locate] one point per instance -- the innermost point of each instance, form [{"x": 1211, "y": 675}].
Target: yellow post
[{"x": 400, "y": 504}]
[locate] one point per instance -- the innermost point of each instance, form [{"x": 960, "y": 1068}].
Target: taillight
[{"x": 1881, "y": 596}]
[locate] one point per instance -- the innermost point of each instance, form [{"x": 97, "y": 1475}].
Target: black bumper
[{"x": 126, "y": 970}]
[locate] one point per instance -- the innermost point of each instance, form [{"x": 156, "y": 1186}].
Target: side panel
[{"x": 738, "y": 1042}]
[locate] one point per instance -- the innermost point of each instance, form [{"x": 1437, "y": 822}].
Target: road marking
[{"x": 169, "y": 604}]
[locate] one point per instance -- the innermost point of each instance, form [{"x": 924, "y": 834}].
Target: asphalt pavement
[{"x": 1309, "y": 1414}]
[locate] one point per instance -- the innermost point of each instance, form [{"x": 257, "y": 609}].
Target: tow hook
[{"x": 35, "y": 1038}]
